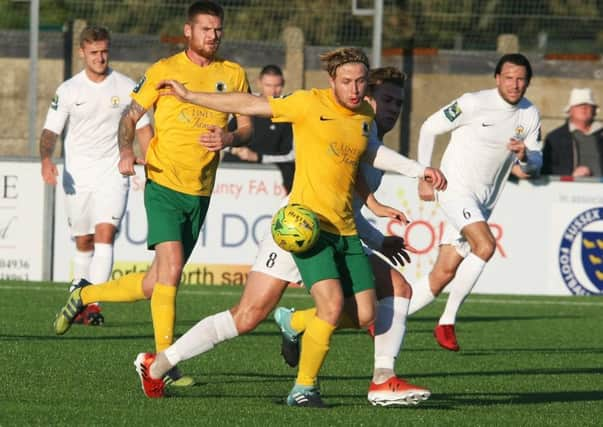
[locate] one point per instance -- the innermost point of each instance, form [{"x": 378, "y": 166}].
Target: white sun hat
[{"x": 580, "y": 96}]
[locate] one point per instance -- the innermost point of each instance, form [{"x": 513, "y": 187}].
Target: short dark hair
[
  {"x": 378, "y": 76},
  {"x": 205, "y": 7},
  {"x": 93, "y": 33},
  {"x": 272, "y": 70},
  {"x": 516, "y": 59}
]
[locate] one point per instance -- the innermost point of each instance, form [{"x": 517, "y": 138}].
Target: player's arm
[
  {"x": 445, "y": 120},
  {"x": 232, "y": 102},
  {"x": 368, "y": 198},
  {"x": 125, "y": 138},
  {"x": 529, "y": 151},
  {"x": 48, "y": 140},
  {"x": 217, "y": 138},
  {"x": 144, "y": 136}
]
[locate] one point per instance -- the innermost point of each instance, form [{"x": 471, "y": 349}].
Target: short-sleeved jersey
[
  {"x": 91, "y": 112},
  {"x": 329, "y": 141},
  {"x": 175, "y": 159},
  {"x": 476, "y": 161}
]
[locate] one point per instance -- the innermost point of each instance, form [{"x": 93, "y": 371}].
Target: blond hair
[{"x": 334, "y": 59}]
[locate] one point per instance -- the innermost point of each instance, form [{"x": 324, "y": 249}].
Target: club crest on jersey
[
  {"x": 221, "y": 87},
  {"x": 54, "y": 104},
  {"x": 519, "y": 132},
  {"x": 365, "y": 129},
  {"x": 452, "y": 111},
  {"x": 115, "y": 101},
  {"x": 139, "y": 84},
  {"x": 580, "y": 256}
]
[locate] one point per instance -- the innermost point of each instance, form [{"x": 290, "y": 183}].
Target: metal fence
[{"x": 557, "y": 26}]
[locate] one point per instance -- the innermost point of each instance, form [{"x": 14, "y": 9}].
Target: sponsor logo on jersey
[
  {"x": 221, "y": 87},
  {"x": 325, "y": 119},
  {"x": 115, "y": 101},
  {"x": 452, "y": 111},
  {"x": 580, "y": 255},
  {"x": 139, "y": 84},
  {"x": 54, "y": 104}
]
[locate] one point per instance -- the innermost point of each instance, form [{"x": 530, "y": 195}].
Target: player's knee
[
  {"x": 438, "y": 279},
  {"x": 401, "y": 288},
  {"x": 247, "y": 318},
  {"x": 484, "y": 250}
]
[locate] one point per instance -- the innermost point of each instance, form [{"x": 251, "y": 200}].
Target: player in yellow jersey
[
  {"x": 331, "y": 128},
  {"x": 181, "y": 164}
]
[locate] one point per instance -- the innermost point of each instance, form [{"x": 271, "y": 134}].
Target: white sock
[
  {"x": 202, "y": 337},
  {"x": 81, "y": 264},
  {"x": 466, "y": 277},
  {"x": 102, "y": 263},
  {"x": 390, "y": 327},
  {"x": 421, "y": 295}
]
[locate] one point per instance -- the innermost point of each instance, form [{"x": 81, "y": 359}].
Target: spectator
[
  {"x": 270, "y": 142},
  {"x": 576, "y": 148}
]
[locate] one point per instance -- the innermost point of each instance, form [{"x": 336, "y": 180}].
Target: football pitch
[{"x": 524, "y": 361}]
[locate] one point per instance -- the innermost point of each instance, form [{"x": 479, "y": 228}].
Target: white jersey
[
  {"x": 91, "y": 112},
  {"x": 477, "y": 161}
]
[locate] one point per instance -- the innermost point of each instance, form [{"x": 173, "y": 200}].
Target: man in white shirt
[
  {"x": 89, "y": 106},
  {"x": 491, "y": 130}
]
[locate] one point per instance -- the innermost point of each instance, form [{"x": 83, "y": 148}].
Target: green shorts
[
  {"x": 173, "y": 216},
  {"x": 336, "y": 257}
]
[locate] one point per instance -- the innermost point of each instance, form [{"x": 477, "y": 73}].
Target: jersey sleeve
[
  {"x": 145, "y": 92},
  {"x": 533, "y": 141},
  {"x": 290, "y": 108},
  {"x": 446, "y": 119},
  {"x": 58, "y": 112}
]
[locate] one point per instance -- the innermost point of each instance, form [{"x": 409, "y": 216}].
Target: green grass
[{"x": 523, "y": 361}]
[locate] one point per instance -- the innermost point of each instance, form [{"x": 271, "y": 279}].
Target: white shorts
[
  {"x": 105, "y": 205},
  {"x": 460, "y": 213},
  {"x": 275, "y": 262}
]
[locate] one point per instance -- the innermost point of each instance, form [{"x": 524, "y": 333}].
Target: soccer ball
[{"x": 295, "y": 228}]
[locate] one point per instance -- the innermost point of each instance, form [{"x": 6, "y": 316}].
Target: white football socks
[
  {"x": 466, "y": 277},
  {"x": 390, "y": 327},
  {"x": 102, "y": 263},
  {"x": 81, "y": 264},
  {"x": 421, "y": 295},
  {"x": 201, "y": 338}
]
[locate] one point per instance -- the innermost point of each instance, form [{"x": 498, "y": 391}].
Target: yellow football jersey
[
  {"x": 175, "y": 158},
  {"x": 329, "y": 141}
]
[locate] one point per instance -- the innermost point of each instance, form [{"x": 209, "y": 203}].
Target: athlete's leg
[
  {"x": 426, "y": 289},
  {"x": 102, "y": 260},
  {"x": 260, "y": 295},
  {"x": 84, "y": 250},
  {"x": 393, "y": 294},
  {"x": 483, "y": 244}
]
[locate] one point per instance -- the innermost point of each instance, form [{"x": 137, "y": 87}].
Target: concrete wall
[{"x": 432, "y": 88}]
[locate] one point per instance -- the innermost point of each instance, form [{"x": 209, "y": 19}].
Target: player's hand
[
  {"x": 518, "y": 147},
  {"x": 426, "y": 191},
  {"x": 174, "y": 88},
  {"x": 394, "y": 248},
  {"x": 436, "y": 178},
  {"x": 582, "y": 171},
  {"x": 245, "y": 153},
  {"x": 215, "y": 138},
  {"x": 384, "y": 211},
  {"x": 127, "y": 160},
  {"x": 49, "y": 172}
]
